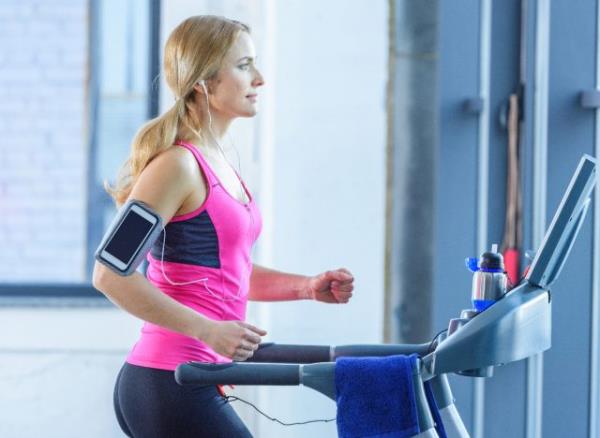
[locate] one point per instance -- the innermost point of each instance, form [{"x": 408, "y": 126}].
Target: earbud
[{"x": 202, "y": 83}]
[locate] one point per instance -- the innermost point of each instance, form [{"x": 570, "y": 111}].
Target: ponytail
[{"x": 154, "y": 137}]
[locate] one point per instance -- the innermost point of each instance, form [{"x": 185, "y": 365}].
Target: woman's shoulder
[
  {"x": 167, "y": 182},
  {"x": 173, "y": 168},
  {"x": 173, "y": 161}
]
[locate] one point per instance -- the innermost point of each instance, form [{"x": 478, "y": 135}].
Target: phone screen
[{"x": 129, "y": 237}]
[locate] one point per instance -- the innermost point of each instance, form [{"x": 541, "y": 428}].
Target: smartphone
[{"x": 129, "y": 238}]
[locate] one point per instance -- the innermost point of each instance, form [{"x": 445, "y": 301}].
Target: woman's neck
[
  {"x": 207, "y": 144},
  {"x": 213, "y": 131},
  {"x": 218, "y": 127}
]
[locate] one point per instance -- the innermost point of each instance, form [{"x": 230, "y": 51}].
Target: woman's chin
[{"x": 250, "y": 112}]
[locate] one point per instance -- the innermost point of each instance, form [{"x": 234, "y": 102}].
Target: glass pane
[
  {"x": 43, "y": 153},
  {"x": 69, "y": 107},
  {"x": 123, "y": 98}
]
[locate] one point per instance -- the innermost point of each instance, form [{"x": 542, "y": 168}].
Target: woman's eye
[{"x": 244, "y": 66}]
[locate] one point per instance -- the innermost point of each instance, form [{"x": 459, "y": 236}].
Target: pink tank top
[{"x": 213, "y": 242}]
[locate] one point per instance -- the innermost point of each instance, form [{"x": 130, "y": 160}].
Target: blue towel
[{"x": 375, "y": 397}]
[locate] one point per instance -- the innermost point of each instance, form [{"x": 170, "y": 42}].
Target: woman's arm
[
  {"x": 270, "y": 285},
  {"x": 329, "y": 287},
  {"x": 164, "y": 185},
  {"x": 139, "y": 297},
  {"x": 234, "y": 339}
]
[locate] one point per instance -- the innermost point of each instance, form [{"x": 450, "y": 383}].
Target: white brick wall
[{"x": 43, "y": 148}]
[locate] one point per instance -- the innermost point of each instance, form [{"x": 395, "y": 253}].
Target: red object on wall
[{"x": 512, "y": 241}]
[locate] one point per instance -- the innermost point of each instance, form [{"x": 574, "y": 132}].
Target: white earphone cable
[{"x": 246, "y": 205}]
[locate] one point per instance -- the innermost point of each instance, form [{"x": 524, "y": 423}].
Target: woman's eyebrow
[{"x": 249, "y": 58}]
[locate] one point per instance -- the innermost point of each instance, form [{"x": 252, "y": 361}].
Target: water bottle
[{"x": 489, "y": 278}]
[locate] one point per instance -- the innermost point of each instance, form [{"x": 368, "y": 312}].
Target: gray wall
[{"x": 571, "y": 132}]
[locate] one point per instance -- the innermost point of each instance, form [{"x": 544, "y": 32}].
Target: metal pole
[
  {"x": 594, "y": 335},
  {"x": 483, "y": 181}
]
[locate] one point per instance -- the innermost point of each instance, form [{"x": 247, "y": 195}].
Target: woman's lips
[{"x": 252, "y": 97}]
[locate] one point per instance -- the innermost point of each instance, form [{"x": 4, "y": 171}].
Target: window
[{"x": 78, "y": 86}]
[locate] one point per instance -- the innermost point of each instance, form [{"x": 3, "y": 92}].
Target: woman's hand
[
  {"x": 331, "y": 286},
  {"x": 236, "y": 340}
]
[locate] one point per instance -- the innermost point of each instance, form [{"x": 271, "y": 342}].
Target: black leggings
[{"x": 149, "y": 403}]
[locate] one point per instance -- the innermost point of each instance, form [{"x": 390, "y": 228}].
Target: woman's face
[{"x": 233, "y": 93}]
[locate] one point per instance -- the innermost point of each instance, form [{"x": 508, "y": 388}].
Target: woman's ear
[
  {"x": 200, "y": 87},
  {"x": 203, "y": 86}
]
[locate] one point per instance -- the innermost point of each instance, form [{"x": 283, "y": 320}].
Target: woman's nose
[{"x": 258, "y": 79}]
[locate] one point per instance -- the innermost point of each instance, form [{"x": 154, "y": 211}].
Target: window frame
[{"x": 84, "y": 294}]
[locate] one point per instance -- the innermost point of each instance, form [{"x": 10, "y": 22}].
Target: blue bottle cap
[{"x": 471, "y": 263}]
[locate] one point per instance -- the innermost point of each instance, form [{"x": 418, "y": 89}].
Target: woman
[{"x": 200, "y": 273}]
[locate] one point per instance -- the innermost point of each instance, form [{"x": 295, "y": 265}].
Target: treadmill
[{"x": 517, "y": 326}]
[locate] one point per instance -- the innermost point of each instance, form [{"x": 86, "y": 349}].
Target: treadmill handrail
[{"x": 303, "y": 354}]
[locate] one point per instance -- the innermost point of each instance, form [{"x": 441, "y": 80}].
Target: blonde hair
[{"x": 194, "y": 51}]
